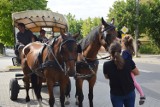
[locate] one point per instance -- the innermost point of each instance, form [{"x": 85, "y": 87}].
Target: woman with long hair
[{"x": 118, "y": 71}]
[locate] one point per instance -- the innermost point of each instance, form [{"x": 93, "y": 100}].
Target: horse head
[
  {"x": 67, "y": 52},
  {"x": 107, "y": 33}
]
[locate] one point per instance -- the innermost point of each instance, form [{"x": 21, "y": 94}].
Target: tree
[
  {"x": 125, "y": 15},
  {"x": 149, "y": 17},
  {"x": 154, "y": 20},
  {"x": 86, "y": 26},
  {"x": 89, "y": 24},
  {"x": 6, "y": 29},
  {"x": 74, "y": 24},
  {"x": 7, "y": 7},
  {"x": 82, "y": 26}
]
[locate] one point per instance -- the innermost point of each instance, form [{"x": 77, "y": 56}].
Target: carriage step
[{"x": 19, "y": 75}]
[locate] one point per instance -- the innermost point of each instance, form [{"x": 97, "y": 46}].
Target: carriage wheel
[{"x": 13, "y": 89}]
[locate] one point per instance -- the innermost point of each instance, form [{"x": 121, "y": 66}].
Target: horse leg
[
  {"x": 27, "y": 85},
  {"x": 37, "y": 84},
  {"x": 76, "y": 95},
  {"x": 50, "y": 84},
  {"x": 79, "y": 92},
  {"x": 63, "y": 86},
  {"x": 26, "y": 79},
  {"x": 90, "y": 95},
  {"x": 67, "y": 93},
  {"x": 39, "y": 92}
]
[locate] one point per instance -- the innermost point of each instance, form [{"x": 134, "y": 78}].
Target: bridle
[
  {"x": 105, "y": 32},
  {"x": 60, "y": 50},
  {"x": 50, "y": 63}
]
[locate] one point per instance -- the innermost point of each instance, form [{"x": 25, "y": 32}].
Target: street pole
[{"x": 137, "y": 28}]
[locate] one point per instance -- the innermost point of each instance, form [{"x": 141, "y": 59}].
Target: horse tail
[{"x": 36, "y": 87}]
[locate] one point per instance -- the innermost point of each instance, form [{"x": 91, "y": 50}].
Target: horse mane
[{"x": 89, "y": 38}]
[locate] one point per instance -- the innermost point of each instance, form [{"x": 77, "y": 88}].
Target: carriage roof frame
[{"x": 35, "y": 20}]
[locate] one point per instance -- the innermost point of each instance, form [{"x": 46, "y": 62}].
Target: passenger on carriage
[
  {"x": 24, "y": 37},
  {"x": 42, "y": 38}
]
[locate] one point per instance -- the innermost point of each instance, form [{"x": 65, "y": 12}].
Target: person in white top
[{"x": 42, "y": 38}]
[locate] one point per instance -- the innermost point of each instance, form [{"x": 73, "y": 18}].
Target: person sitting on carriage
[
  {"x": 42, "y": 38},
  {"x": 24, "y": 37}
]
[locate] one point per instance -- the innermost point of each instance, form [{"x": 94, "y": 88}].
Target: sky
[{"x": 82, "y": 8}]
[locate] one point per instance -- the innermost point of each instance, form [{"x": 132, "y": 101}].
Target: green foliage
[
  {"x": 154, "y": 20},
  {"x": 5, "y": 23},
  {"x": 149, "y": 48},
  {"x": 7, "y": 7},
  {"x": 148, "y": 19},
  {"x": 74, "y": 25},
  {"x": 82, "y": 26},
  {"x": 86, "y": 26},
  {"x": 20, "y": 5},
  {"x": 125, "y": 15},
  {"x": 89, "y": 24}
]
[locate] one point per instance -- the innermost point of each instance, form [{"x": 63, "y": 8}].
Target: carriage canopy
[{"x": 37, "y": 19}]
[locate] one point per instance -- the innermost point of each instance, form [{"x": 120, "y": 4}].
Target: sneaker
[{"x": 142, "y": 100}]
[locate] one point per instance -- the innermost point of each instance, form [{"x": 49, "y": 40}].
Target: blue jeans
[{"x": 127, "y": 100}]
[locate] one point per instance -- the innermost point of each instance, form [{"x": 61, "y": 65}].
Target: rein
[
  {"x": 90, "y": 68},
  {"x": 99, "y": 58},
  {"x": 49, "y": 63},
  {"x": 50, "y": 49}
]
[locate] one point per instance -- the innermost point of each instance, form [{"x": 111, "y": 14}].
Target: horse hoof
[{"x": 67, "y": 103}]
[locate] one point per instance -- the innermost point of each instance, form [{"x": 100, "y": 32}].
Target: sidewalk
[
  {"x": 143, "y": 58},
  {"x": 152, "y": 59}
]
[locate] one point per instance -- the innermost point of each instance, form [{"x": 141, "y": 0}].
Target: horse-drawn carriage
[
  {"x": 58, "y": 58},
  {"x": 35, "y": 20}
]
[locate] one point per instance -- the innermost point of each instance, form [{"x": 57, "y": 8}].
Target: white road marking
[{"x": 147, "y": 71}]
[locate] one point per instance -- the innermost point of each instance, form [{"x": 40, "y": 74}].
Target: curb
[{"x": 10, "y": 70}]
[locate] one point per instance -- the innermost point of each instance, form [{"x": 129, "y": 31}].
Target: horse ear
[
  {"x": 103, "y": 21},
  {"x": 76, "y": 35}
]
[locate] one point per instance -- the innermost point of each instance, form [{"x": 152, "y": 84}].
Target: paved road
[{"x": 101, "y": 95}]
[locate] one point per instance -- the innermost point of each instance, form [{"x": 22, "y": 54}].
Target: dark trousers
[
  {"x": 16, "y": 51},
  {"x": 124, "y": 101}
]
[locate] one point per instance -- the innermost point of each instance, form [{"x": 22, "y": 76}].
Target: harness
[{"x": 53, "y": 63}]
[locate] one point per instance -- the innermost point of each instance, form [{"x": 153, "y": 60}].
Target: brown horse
[
  {"x": 102, "y": 35},
  {"x": 54, "y": 62}
]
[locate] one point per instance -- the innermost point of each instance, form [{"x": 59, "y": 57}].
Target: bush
[{"x": 149, "y": 48}]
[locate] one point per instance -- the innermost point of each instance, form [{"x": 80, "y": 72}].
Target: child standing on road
[{"x": 127, "y": 53}]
